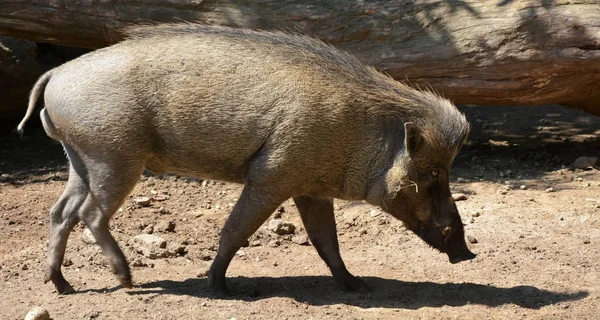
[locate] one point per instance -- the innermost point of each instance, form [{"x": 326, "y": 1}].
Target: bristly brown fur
[{"x": 441, "y": 122}]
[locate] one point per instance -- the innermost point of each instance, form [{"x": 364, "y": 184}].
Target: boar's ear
[{"x": 413, "y": 137}]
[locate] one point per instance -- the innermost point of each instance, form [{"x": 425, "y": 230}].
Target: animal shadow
[{"x": 386, "y": 293}]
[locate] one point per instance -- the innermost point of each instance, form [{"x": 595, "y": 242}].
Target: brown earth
[{"x": 538, "y": 252}]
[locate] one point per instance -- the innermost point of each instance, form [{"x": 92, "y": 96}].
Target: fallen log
[{"x": 500, "y": 52}]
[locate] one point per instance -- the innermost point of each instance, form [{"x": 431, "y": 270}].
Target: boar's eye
[{"x": 435, "y": 173}]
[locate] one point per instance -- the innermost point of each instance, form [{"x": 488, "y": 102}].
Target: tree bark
[{"x": 474, "y": 52}]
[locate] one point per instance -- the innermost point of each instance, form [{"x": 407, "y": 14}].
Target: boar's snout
[{"x": 450, "y": 240}]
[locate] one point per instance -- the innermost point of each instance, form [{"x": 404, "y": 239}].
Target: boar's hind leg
[
  {"x": 105, "y": 180},
  {"x": 319, "y": 221},
  {"x": 63, "y": 217},
  {"x": 251, "y": 210}
]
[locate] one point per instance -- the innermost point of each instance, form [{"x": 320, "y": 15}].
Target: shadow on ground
[{"x": 387, "y": 293}]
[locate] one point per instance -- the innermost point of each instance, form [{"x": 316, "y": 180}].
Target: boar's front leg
[
  {"x": 319, "y": 221},
  {"x": 251, "y": 210}
]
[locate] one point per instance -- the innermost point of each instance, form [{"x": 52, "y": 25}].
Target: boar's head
[{"x": 418, "y": 190}]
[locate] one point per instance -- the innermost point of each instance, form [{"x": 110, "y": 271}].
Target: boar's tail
[{"x": 34, "y": 96}]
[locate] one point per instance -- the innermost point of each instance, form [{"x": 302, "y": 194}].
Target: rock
[
  {"x": 550, "y": 189},
  {"x": 162, "y": 210},
  {"x": 177, "y": 250},
  {"x": 203, "y": 274},
  {"x": 585, "y": 162},
  {"x": 374, "y": 213},
  {"x": 461, "y": 180},
  {"x": 301, "y": 239},
  {"x": 166, "y": 226},
  {"x": 37, "y": 313},
  {"x": 240, "y": 253},
  {"x": 255, "y": 243},
  {"x": 67, "y": 262},
  {"x": 523, "y": 187},
  {"x": 503, "y": 192},
  {"x": 87, "y": 237},
  {"x": 278, "y": 213},
  {"x": 139, "y": 263},
  {"x": 149, "y": 229},
  {"x": 206, "y": 256},
  {"x": 475, "y": 214},
  {"x": 274, "y": 243},
  {"x": 472, "y": 239},
  {"x": 150, "y": 240},
  {"x": 459, "y": 196},
  {"x": 160, "y": 198},
  {"x": 91, "y": 315},
  {"x": 281, "y": 228},
  {"x": 151, "y": 246},
  {"x": 142, "y": 201}
]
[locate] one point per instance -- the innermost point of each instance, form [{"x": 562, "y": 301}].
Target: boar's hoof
[
  {"x": 62, "y": 286},
  {"x": 217, "y": 284},
  {"x": 125, "y": 280},
  {"x": 352, "y": 283}
]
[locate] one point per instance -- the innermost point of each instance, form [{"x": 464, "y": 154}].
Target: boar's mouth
[{"x": 449, "y": 240}]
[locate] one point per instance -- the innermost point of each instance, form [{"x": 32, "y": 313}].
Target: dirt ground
[{"x": 538, "y": 251}]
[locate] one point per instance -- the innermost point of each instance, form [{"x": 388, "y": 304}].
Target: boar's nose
[{"x": 461, "y": 256}]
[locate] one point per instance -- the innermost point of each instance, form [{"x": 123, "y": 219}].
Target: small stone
[
  {"x": 523, "y": 187},
  {"x": 255, "y": 243},
  {"x": 151, "y": 246},
  {"x": 503, "y": 192},
  {"x": 37, "y": 313},
  {"x": 362, "y": 231},
  {"x": 240, "y": 253},
  {"x": 274, "y": 243},
  {"x": 281, "y": 228},
  {"x": 24, "y": 267},
  {"x": 150, "y": 239},
  {"x": 279, "y": 213},
  {"x": 160, "y": 198},
  {"x": 548, "y": 190},
  {"x": 138, "y": 263},
  {"x": 472, "y": 239},
  {"x": 162, "y": 210},
  {"x": 149, "y": 229},
  {"x": 461, "y": 180},
  {"x": 91, "y": 315},
  {"x": 166, "y": 226},
  {"x": 475, "y": 214},
  {"x": 585, "y": 162},
  {"x": 579, "y": 179},
  {"x": 300, "y": 239},
  {"x": 67, "y": 262},
  {"x": 206, "y": 256},
  {"x": 177, "y": 250},
  {"x": 374, "y": 213},
  {"x": 459, "y": 196},
  {"x": 87, "y": 236},
  {"x": 142, "y": 201}
]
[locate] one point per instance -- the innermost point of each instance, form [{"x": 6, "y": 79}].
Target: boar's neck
[{"x": 374, "y": 155}]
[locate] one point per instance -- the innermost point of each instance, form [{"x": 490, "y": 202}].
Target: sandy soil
[{"x": 538, "y": 252}]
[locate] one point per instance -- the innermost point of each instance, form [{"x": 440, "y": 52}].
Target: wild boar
[{"x": 286, "y": 115}]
